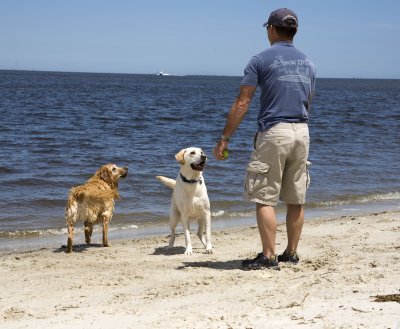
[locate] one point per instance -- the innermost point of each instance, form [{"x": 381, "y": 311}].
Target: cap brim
[{"x": 265, "y": 24}]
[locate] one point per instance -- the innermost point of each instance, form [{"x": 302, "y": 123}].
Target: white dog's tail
[{"x": 167, "y": 181}]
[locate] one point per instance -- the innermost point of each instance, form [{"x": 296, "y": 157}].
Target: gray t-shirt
[{"x": 287, "y": 80}]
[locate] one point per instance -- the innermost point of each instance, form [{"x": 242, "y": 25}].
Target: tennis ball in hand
[{"x": 225, "y": 153}]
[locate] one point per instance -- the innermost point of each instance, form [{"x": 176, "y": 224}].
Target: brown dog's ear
[
  {"x": 105, "y": 174},
  {"x": 180, "y": 157}
]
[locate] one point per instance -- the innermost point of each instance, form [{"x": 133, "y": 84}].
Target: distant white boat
[{"x": 162, "y": 73}]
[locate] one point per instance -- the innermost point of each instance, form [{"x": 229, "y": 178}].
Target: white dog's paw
[
  {"x": 209, "y": 250},
  {"x": 189, "y": 251}
]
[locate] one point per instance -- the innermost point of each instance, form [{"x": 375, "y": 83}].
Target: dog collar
[{"x": 190, "y": 181}]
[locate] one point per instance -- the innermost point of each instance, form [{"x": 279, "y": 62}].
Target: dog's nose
[
  {"x": 125, "y": 168},
  {"x": 203, "y": 157}
]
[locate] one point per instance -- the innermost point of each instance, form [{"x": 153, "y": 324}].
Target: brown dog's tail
[{"x": 167, "y": 181}]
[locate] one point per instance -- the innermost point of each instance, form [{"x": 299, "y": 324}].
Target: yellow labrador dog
[
  {"x": 93, "y": 202},
  {"x": 189, "y": 198}
]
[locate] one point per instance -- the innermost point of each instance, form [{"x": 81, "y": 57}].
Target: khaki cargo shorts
[{"x": 278, "y": 168}]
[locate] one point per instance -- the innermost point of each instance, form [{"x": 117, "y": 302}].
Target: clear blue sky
[{"x": 353, "y": 38}]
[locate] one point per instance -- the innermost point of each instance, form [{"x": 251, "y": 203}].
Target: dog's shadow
[
  {"x": 169, "y": 251},
  {"x": 78, "y": 247},
  {"x": 216, "y": 265}
]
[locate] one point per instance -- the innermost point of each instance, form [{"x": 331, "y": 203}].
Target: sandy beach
[{"x": 348, "y": 277}]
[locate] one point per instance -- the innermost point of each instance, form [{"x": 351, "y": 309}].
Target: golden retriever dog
[
  {"x": 93, "y": 202},
  {"x": 189, "y": 198}
]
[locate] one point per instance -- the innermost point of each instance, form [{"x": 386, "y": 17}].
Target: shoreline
[
  {"x": 116, "y": 233},
  {"x": 345, "y": 263}
]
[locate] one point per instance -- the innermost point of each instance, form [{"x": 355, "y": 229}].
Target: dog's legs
[
  {"x": 71, "y": 216},
  {"x": 70, "y": 237},
  {"x": 205, "y": 225},
  {"x": 208, "y": 233},
  {"x": 186, "y": 230},
  {"x": 173, "y": 221},
  {"x": 106, "y": 221},
  {"x": 88, "y": 232},
  {"x": 172, "y": 237},
  {"x": 200, "y": 232}
]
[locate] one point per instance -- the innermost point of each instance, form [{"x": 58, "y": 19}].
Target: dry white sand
[{"x": 344, "y": 263}]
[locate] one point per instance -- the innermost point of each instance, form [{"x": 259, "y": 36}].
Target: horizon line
[{"x": 174, "y": 75}]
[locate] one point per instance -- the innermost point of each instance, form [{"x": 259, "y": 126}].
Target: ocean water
[{"x": 57, "y": 129}]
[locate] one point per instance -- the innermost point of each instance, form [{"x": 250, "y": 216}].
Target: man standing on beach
[{"x": 278, "y": 165}]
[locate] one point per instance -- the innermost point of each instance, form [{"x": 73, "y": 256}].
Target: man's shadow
[{"x": 215, "y": 265}]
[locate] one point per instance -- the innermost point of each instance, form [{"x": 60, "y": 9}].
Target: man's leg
[
  {"x": 266, "y": 222},
  {"x": 294, "y": 225}
]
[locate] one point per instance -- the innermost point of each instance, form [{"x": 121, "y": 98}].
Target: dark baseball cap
[{"x": 283, "y": 17}]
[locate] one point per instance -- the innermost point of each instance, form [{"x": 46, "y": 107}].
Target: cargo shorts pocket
[
  {"x": 256, "y": 178},
  {"x": 308, "y": 177}
]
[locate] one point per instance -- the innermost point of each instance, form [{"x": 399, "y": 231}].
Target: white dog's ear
[{"x": 180, "y": 157}]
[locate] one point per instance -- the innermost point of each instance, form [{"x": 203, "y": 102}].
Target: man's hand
[{"x": 219, "y": 148}]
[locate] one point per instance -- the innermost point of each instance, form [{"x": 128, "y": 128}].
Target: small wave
[
  {"x": 32, "y": 233},
  {"x": 124, "y": 227},
  {"x": 228, "y": 212},
  {"x": 231, "y": 214},
  {"x": 57, "y": 232},
  {"x": 217, "y": 213},
  {"x": 356, "y": 199}
]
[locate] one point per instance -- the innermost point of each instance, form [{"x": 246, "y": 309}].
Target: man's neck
[{"x": 282, "y": 40}]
